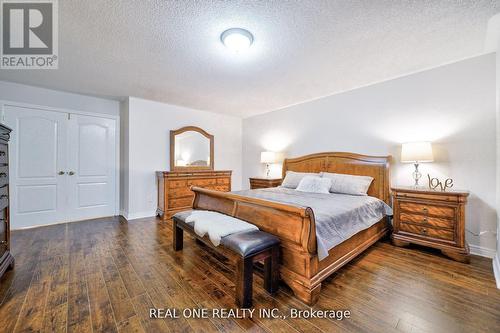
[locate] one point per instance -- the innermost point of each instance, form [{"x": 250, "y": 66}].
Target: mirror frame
[{"x": 173, "y": 134}]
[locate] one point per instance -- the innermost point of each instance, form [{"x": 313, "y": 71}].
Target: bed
[{"x": 301, "y": 268}]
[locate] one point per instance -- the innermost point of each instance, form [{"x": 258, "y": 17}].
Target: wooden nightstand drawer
[
  {"x": 440, "y": 234},
  {"x": 426, "y": 209},
  {"x": 426, "y": 220}
]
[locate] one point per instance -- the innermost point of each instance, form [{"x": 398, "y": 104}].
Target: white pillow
[
  {"x": 314, "y": 184},
  {"x": 348, "y": 184},
  {"x": 292, "y": 178}
]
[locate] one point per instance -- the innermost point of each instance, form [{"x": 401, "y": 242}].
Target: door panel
[
  {"x": 92, "y": 160},
  {"x": 37, "y": 154}
]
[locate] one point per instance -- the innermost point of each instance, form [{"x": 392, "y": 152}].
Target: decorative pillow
[
  {"x": 348, "y": 184},
  {"x": 315, "y": 184},
  {"x": 292, "y": 178}
]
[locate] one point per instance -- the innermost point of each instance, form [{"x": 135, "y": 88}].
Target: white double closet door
[{"x": 63, "y": 166}]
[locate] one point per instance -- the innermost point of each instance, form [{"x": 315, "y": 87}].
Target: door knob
[
  {"x": 71, "y": 173},
  {"x": 60, "y": 173},
  {"x": 3, "y": 175}
]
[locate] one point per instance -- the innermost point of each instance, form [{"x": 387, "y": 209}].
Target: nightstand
[
  {"x": 431, "y": 218},
  {"x": 256, "y": 182}
]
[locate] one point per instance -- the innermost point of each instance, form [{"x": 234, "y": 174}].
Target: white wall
[
  {"x": 21, "y": 93},
  {"x": 496, "y": 261},
  {"x": 149, "y": 125},
  {"x": 124, "y": 157},
  {"x": 453, "y": 106}
]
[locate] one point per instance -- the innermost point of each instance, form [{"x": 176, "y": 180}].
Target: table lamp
[
  {"x": 416, "y": 152},
  {"x": 267, "y": 157}
]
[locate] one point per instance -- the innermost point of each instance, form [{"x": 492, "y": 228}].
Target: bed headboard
[{"x": 347, "y": 163}]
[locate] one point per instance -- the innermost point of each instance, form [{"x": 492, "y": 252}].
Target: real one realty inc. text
[{"x": 271, "y": 313}]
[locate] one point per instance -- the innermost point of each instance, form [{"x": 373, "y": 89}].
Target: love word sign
[{"x": 436, "y": 184}]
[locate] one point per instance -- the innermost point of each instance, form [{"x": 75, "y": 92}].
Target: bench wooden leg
[
  {"x": 177, "y": 241},
  {"x": 271, "y": 271},
  {"x": 244, "y": 280}
]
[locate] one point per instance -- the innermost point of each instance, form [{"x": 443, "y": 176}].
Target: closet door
[
  {"x": 91, "y": 167},
  {"x": 37, "y": 164}
]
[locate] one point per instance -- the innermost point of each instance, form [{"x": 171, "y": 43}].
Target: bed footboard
[{"x": 293, "y": 225}]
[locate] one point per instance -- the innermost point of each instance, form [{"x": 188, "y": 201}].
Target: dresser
[
  {"x": 431, "y": 218},
  {"x": 6, "y": 259},
  {"x": 174, "y": 194},
  {"x": 257, "y": 182}
]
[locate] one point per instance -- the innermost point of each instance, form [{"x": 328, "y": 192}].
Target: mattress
[{"x": 338, "y": 216}]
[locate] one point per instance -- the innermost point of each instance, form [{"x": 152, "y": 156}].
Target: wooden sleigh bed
[{"x": 300, "y": 268}]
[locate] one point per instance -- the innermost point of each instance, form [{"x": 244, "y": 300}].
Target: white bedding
[
  {"x": 338, "y": 216},
  {"x": 216, "y": 225}
]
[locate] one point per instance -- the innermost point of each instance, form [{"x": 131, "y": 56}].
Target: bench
[{"x": 243, "y": 249}]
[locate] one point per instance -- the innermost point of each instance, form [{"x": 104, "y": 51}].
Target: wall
[
  {"x": 124, "y": 156},
  {"x": 453, "y": 106},
  {"x": 496, "y": 261},
  {"x": 20, "y": 93},
  {"x": 149, "y": 125}
]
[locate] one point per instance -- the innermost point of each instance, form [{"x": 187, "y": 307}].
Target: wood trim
[
  {"x": 173, "y": 133},
  {"x": 347, "y": 163}
]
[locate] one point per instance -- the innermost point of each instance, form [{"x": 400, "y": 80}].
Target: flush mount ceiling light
[{"x": 237, "y": 39}]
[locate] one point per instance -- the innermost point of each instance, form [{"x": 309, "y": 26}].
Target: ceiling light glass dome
[{"x": 237, "y": 39}]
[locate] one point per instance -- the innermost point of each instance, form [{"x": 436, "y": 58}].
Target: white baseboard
[
  {"x": 482, "y": 251},
  {"x": 496, "y": 269},
  {"x": 140, "y": 215}
]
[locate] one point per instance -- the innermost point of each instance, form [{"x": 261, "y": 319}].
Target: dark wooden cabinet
[
  {"x": 174, "y": 194},
  {"x": 431, "y": 218},
  {"x": 6, "y": 259},
  {"x": 256, "y": 182}
]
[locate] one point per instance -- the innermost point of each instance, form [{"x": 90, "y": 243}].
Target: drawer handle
[
  {"x": 3, "y": 242},
  {"x": 424, "y": 231},
  {"x": 3, "y": 175},
  {"x": 425, "y": 210},
  {"x": 425, "y": 220}
]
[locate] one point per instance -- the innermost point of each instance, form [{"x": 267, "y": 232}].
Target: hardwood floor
[{"x": 104, "y": 275}]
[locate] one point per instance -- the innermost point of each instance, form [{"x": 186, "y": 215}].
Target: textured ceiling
[{"x": 170, "y": 51}]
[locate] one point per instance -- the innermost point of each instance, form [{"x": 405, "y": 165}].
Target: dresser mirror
[{"x": 191, "y": 148}]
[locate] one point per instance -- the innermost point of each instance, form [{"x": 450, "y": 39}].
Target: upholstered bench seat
[{"x": 247, "y": 247}]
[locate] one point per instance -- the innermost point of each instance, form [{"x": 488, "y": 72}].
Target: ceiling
[{"x": 170, "y": 51}]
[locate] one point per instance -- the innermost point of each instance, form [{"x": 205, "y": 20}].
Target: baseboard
[
  {"x": 482, "y": 251},
  {"x": 496, "y": 269},
  {"x": 124, "y": 214},
  {"x": 139, "y": 215},
  {"x": 55, "y": 223}
]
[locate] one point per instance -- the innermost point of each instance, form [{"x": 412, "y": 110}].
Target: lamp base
[{"x": 416, "y": 175}]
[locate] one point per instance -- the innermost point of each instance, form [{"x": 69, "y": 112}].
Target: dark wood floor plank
[
  {"x": 130, "y": 325},
  {"x": 55, "y": 319},
  {"x": 142, "y": 304},
  {"x": 78, "y": 302},
  {"x": 118, "y": 295},
  {"x": 105, "y": 275}
]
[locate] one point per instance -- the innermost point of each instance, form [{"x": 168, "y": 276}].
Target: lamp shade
[
  {"x": 416, "y": 152},
  {"x": 267, "y": 157}
]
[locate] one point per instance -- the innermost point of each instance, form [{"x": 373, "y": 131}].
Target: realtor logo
[{"x": 29, "y": 34}]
